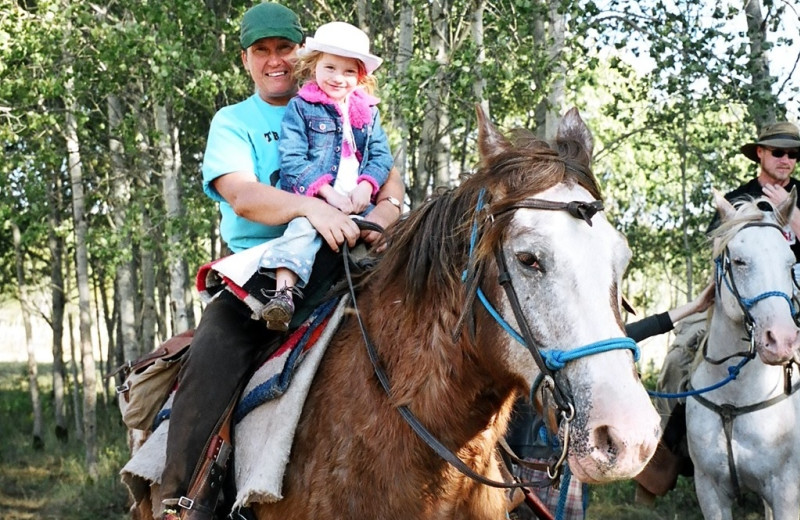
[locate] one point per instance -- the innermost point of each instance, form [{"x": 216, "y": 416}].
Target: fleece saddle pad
[{"x": 265, "y": 419}]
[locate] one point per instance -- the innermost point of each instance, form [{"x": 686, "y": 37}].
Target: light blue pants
[{"x": 295, "y": 250}]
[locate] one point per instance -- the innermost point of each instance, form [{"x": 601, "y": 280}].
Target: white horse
[{"x": 746, "y": 434}]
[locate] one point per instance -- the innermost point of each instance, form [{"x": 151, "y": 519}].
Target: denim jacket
[{"x": 311, "y": 141}]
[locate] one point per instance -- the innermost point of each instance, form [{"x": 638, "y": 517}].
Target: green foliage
[{"x": 664, "y": 86}]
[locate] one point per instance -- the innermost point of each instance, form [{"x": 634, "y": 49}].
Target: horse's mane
[
  {"x": 748, "y": 210},
  {"x": 428, "y": 250}
]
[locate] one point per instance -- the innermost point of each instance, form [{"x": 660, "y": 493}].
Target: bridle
[
  {"x": 724, "y": 273},
  {"x": 549, "y": 361}
]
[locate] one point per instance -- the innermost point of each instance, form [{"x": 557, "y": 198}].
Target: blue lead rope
[
  {"x": 733, "y": 372},
  {"x": 564, "y": 493}
]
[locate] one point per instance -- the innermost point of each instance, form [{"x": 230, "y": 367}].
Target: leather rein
[{"x": 547, "y": 364}]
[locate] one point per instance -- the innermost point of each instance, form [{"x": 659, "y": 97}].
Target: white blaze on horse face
[
  {"x": 567, "y": 274},
  {"x": 761, "y": 263}
]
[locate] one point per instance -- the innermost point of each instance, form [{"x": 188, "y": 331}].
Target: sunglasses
[{"x": 777, "y": 153}]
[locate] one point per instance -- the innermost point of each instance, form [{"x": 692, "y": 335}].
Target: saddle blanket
[
  {"x": 265, "y": 419},
  {"x": 237, "y": 273}
]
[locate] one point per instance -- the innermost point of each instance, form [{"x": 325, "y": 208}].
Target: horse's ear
[
  {"x": 786, "y": 207},
  {"x": 490, "y": 141},
  {"x": 571, "y": 127},
  {"x": 724, "y": 208}
]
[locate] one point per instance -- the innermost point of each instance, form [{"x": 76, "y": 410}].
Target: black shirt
[{"x": 752, "y": 190}]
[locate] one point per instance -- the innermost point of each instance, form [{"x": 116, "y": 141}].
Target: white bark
[
  {"x": 479, "y": 87},
  {"x": 763, "y": 114},
  {"x": 120, "y": 202},
  {"x": 552, "y": 36},
  {"x": 56, "y": 247},
  {"x": 33, "y": 372},
  {"x": 169, "y": 149},
  {"x": 147, "y": 268},
  {"x": 405, "y": 49},
  {"x": 76, "y": 388},
  {"x": 555, "y": 98},
  {"x": 433, "y": 155},
  {"x": 82, "y": 273}
]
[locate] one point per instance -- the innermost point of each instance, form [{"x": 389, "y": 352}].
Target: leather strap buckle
[{"x": 185, "y": 503}]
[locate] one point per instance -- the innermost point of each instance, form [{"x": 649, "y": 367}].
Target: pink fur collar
[{"x": 359, "y": 103}]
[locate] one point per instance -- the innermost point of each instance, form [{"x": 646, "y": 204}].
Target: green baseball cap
[{"x": 268, "y": 20}]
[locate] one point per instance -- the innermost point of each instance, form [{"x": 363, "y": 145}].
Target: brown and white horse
[
  {"x": 446, "y": 334},
  {"x": 450, "y": 362}
]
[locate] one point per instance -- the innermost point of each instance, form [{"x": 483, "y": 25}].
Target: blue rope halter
[
  {"x": 748, "y": 303},
  {"x": 555, "y": 359}
]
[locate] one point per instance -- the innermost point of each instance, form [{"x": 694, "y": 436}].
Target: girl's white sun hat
[{"x": 342, "y": 39}]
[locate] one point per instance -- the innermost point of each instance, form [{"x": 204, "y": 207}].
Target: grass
[{"x": 52, "y": 483}]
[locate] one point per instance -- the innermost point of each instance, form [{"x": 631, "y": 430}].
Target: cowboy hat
[
  {"x": 342, "y": 39},
  {"x": 778, "y": 135}
]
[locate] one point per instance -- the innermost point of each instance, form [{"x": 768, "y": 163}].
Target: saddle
[{"x": 259, "y": 424}]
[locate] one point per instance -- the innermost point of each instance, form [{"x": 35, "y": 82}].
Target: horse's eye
[
  {"x": 529, "y": 260},
  {"x": 738, "y": 262}
]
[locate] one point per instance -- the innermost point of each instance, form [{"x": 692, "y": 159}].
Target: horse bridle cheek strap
[{"x": 562, "y": 397}]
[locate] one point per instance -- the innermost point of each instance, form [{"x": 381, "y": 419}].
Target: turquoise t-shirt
[{"x": 244, "y": 137}]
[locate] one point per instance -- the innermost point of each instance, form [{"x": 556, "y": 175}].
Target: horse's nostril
[{"x": 604, "y": 441}]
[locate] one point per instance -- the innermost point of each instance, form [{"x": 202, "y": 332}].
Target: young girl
[{"x": 332, "y": 146}]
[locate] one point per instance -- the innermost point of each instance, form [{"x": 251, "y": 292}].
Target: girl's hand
[
  {"x": 361, "y": 196},
  {"x": 336, "y": 199}
]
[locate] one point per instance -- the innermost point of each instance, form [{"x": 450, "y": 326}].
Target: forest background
[{"x": 105, "y": 107}]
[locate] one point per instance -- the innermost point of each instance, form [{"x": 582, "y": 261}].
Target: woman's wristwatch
[{"x": 393, "y": 201}]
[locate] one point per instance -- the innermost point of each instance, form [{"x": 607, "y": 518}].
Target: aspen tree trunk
[
  {"x": 56, "y": 246},
  {"x": 434, "y": 143},
  {"x": 33, "y": 372},
  {"x": 479, "y": 87},
  {"x": 362, "y": 15},
  {"x": 405, "y": 49},
  {"x": 110, "y": 315},
  {"x": 170, "y": 157},
  {"x": 147, "y": 266},
  {"x": 120, "y": 202},
  {"x": 685, "y": 231},
  {"x": 97, "y": 281},
  {"x": 441, "y": 93},
  {"x": 548, "y": 111},
  {"x": 82, "y": 273},
  {"x": 76, "y": 384},
  {"x": 762, "y": 103},
  {"x": 162, "y": 290}
]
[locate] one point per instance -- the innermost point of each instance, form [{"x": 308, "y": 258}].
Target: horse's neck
[
  {"x": 438, "y": 378},
  {"x": 725, "y": 336}
]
